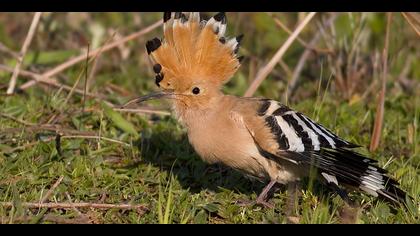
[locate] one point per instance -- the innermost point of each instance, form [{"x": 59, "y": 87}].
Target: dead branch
[
  {"x": 49, "y": 218},
  {"x": 51, "y": 190},
  {"x": 263, "y": 73},
  {"x": 95, "y": 137},
  {"x": 305, "y": 55},
  {"x": 379, "y": 118},
  {"x": 16, "y": 119},
  {"x": 26, "y": 43},
  {"x": 300, "y": 40},
  {"x": 409, "y": 18},
  {"x": 67, "y": 205},
  {"x": 93, "y": 53},
  {"x": 41, "y": 79}
]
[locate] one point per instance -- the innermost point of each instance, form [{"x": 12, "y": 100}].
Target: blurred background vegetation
[{"x": 332, "y": 72}]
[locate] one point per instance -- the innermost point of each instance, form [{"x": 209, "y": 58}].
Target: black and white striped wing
[
  {"x": 297, "y": 133},
  {"x": 305, "y": 142}
]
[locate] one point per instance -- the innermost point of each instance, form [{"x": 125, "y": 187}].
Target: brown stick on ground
[
  {"x": 74, "y": 208},
  {"x": 25, "y": 46},
  {"x": 82, "y": 57},
  {"x": 51, "y": 190},
  {"x": 379, "y": 118},
  {"x": 263, "y": 72},
  {"x": 67, "y": 205},
  {"x": 94, "y": 137},
  {"x": 16, "y": 119},
  {"x": 100, "y": 97},
  {"x": 39, "y": 78},
  {"x": 48, "y": 217}
]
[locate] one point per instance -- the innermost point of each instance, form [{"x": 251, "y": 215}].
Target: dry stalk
[
  {"x": 265, "y": 71},
  {"x": 26, "y": 43}
]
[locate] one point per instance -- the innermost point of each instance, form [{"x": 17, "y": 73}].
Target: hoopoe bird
[{"x": 259, "y": 137}]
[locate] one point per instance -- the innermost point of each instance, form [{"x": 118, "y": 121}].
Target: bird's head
[{"x": 193, "y": 60}]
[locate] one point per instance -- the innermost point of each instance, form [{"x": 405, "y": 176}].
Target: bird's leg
[
  {"x": 293, "y": 189},
  {"x": 262, "y": 197}
]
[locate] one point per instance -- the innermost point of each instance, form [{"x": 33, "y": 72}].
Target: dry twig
[
  {"x": 263, "y": 73},
  {"x": 74, "y": 208},
  {"x": 67, "y": 205},
  {"x": 16, "y": 119},
  {"x": 51, "y": 190},
  {"x": 379, "y": 118},
  {"x": 26, "y": 43},
  {"x": 48, "y": 217},
  {"x": 39, "y": 78},
  {"x": 410, "y": 18},
  {"x": 305, "y": 55},
  {"x": 95, "y": 52},
  {"x": 94, "y": 137},
  {"x": 308, "y": 46}
]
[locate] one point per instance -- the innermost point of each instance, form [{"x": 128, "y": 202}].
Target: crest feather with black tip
[{"x": 195, "y": 50}]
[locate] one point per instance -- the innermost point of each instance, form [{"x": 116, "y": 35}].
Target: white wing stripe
[
  {"x": 295, "y": 143},
  {"x": 312, "y": 135},
  {"x": 328, "y": 138},
  {"x": 330, "y": 178},
  {"x": 272, "y": 108}
]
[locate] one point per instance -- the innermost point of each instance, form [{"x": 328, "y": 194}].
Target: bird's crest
[{"x": 193, "y": 50}]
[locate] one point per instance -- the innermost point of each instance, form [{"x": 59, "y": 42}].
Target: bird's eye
[{"x": 196, "y": 90}]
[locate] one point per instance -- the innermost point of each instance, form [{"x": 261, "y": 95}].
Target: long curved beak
[{"x": 155, "y": 95}]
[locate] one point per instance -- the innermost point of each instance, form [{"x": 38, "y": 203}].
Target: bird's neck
[{"x": 201, "y": 112}]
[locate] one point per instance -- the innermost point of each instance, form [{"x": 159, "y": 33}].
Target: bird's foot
[
  {"x": 261, "y": 199},
  {"x": 260, "y": 202},
  {"x": 265, "y": 203}
]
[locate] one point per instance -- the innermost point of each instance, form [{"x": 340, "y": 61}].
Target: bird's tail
[{"x": 349, "y": 168}]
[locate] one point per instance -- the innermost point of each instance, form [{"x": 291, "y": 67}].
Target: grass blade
[{"x": 119, "y": 121}]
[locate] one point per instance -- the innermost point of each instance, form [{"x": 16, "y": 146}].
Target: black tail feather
[
  {"x": 353, "y": 169},
  {"x": 393, "y": 194}
]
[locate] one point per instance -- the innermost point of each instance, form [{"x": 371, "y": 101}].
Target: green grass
[
  {"x": 162, "y": 171},
  {"x": 147, "y": 160}
]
